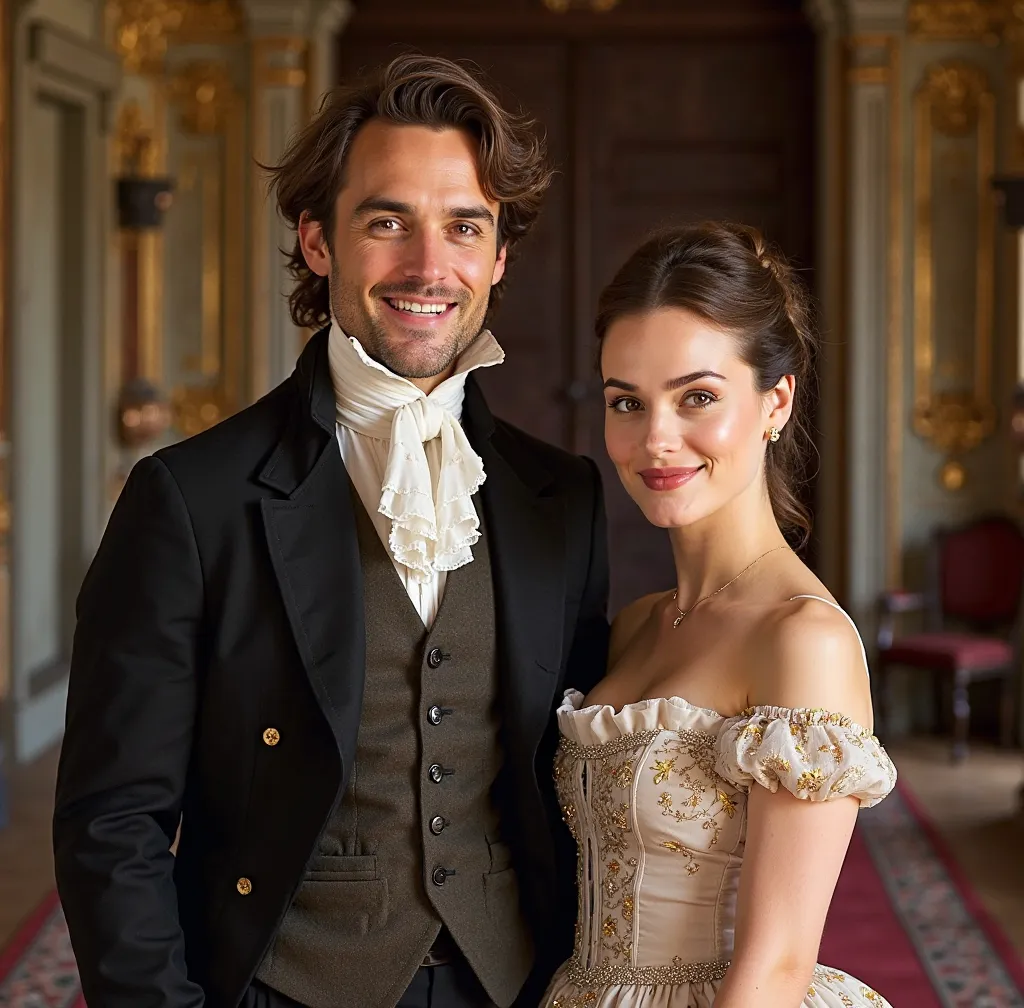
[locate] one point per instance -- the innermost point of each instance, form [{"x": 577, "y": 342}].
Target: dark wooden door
[
  {"x": 658, "y": 111},
  {"x": 688, "y": 130}
]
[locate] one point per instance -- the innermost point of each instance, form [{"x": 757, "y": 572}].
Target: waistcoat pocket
[{"x": 342, "y": 895}]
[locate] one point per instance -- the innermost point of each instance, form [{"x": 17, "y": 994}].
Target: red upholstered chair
[{"x": 973, "y": 604}]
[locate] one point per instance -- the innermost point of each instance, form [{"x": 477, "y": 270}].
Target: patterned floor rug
[
  {"x": 37, "y": 969},
  {"x": 904, "y": 920}
]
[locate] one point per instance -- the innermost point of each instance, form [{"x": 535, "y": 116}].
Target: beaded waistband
[{"x": 677, "y": 972}]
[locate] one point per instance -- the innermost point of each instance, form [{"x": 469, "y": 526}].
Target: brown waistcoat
[{"x": 415, "y": 842}]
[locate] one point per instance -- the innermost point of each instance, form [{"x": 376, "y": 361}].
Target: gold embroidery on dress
[
  {"x": 775, "y": 766},
  {"x": 690, "y": 756},
  {"x": 846, "y": 780},
  {"x": 810, "y": 780}
]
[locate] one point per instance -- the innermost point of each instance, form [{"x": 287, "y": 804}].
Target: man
[{"x": 327, "y": 637}]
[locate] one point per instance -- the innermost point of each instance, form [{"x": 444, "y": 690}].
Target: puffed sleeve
[{"x": 814, "y": 754}]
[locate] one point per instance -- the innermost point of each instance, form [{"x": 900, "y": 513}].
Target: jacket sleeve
[{"x": 130, "y": 719}]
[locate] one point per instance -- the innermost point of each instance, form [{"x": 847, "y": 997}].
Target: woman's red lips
[{"x": 668, "y": 478}]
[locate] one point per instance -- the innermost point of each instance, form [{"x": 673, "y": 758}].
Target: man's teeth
[{"x": 414, "y": 306}]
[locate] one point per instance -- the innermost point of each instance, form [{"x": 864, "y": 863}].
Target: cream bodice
[{"x": 656, "y": 797}]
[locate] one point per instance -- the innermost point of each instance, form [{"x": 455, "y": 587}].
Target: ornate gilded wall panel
[
  {"x": 205, "y": 232},
  {"x": 959, "y": 19},
  {"x": 954, "y": 238},
  {"x": 142, "y": 30}
]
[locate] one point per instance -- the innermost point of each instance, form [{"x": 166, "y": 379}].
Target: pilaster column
[
  {"x": 291, "y": 44},
  {"x": 862, "y": 289},
  {"x": 5, "y": 511}
]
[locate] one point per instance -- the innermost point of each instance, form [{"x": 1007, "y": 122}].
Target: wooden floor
[{"x": 973, "y": 805}]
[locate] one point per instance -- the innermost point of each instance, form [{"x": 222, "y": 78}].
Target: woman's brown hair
[
  {"x": 412, "y": 90},
  {"x": 731, "y": 278}
]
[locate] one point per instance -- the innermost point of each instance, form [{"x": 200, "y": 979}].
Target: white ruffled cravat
[{"x": 433, "y": 521}]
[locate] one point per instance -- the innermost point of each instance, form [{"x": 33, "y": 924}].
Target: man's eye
[
  {"x": 465, "y": 230},
  {"x": 625, "y": 404},
  {"x": 390, "y": 224}
]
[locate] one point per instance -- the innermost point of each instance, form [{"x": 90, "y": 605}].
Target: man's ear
[
  {"x": 313, "y": 243},
  {"x": 499, "y": 264}
]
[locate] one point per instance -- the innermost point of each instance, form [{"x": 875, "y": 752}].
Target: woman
[{"x": 713, "y": 778}]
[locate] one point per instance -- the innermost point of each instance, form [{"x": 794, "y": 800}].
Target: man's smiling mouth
[{"x": 418, "y": 307}]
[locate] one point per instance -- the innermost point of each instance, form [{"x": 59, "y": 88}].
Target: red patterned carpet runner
[
  {"x": 37, "y": 969},
  {"x": 904, "y": 920}
]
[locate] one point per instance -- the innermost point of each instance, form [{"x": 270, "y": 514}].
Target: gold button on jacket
[
  {"x": 244, "y": 886},
  {"x": 271, "y": 736}
]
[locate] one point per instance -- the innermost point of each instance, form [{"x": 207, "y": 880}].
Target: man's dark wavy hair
[{"x": 412, "y": 90}]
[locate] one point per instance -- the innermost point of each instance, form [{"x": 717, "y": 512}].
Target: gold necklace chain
[{"x": 683, "y": 614}]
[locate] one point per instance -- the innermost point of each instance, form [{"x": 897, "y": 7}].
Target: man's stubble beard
[{"x": 424, "y": 361}]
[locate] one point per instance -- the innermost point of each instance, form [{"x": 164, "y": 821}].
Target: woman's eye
[
  {"x": 625, "y": 404},
  {"x": 699, "y": 399}
]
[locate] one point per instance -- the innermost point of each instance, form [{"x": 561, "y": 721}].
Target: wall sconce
[
  {"x": 142, "y": 202},
  {"x": 142, "y": 413}
]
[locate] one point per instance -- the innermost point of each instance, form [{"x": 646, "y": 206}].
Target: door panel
[{"x": 684, "y": 131}]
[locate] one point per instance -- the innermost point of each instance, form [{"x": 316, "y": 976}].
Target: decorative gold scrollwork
[
  {"x": 205, "y": 95},
  {"x": 598, "y": 6},
  {"x": 959, "y": 19},
  {"x": 142, "y": 29},
  {"x": 954, "y": 124}
]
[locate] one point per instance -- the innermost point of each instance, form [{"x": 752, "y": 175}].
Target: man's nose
[{"x": 426, "y": 258}]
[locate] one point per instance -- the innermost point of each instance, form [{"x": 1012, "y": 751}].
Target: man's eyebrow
[
  {"x": 380, "y": 204},
  {"x": 478, "y": 212}
]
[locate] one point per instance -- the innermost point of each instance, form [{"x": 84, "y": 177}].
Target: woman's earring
[{"x": 773, "y": 434}]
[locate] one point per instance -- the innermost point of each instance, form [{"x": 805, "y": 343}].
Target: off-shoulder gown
[{"x": 656, "y": 798}]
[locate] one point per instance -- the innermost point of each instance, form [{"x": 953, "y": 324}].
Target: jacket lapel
[
  {"x": 315, "y": 552},
  {"x": 526, "y": 540}
]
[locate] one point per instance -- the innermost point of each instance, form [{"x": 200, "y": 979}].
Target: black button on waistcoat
[{"x": 440, "y": 875}]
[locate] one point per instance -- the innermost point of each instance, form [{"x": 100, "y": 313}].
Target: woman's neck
[{"x": 712, "y": 551}]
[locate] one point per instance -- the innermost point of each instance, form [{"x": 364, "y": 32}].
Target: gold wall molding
[
  {"x": 209, "y": 106},
  {"x": 954, "y": 100},
  {"x": 980, "y": 20},
  {"x": 142, "y": 30},
  {"x": 140, "y": 148},
  {"x": 279, "y": 63},
  {"x": 895, "y": 418}
]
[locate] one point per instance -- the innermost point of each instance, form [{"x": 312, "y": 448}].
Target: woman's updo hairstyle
[{"x": 731, "y": 278}]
